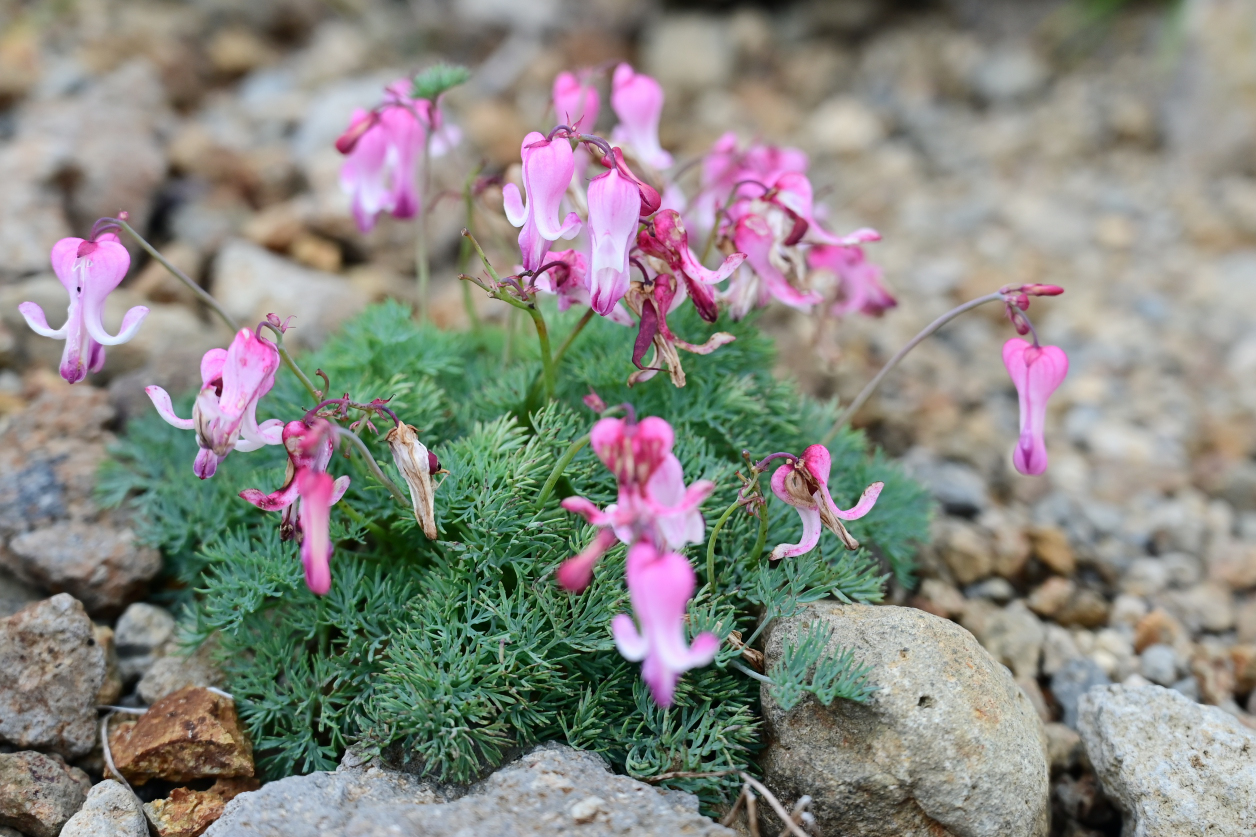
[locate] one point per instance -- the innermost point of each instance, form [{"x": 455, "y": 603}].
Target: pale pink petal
[
  {"x": 810, "y": 534},
  {"x": 38, "y": 321},
  {"x": 165, "y": 408},
  {"x": 576, "y": 572},
  {"x": 638, "y": 102},
  {"x": 632, "y": 646},
  {"x": 1037, "y": 372},
  {"x": 614, "y": 205}
]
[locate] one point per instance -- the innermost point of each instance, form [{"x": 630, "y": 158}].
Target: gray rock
[
  {"x": 948, "y": 745},
  {"x": 178, "y": 670},
  {"x": 1158, "y": 663},
  {"x": 110, "y": 811},
  {"x": 15, "y": 594},
  {"x": 1014, "y": 635},
  {"x": 553, "y": 789},
  {"x": 1009, "y": 73},
  {"x": 1188, "y": 687},
  {"x": 958, "y": 487},
  {"x": 1174, "y": 767},
  {"x": 39, "y": 793},
  {"x": 100, "y": 565},
  {"x": 251, "y": 282},
  {"x": 53, "y": 671},
  {"x": 142, "y": 636},
  {"x": 1076, "y": 677},
  {"x": 689, "y": 52}
]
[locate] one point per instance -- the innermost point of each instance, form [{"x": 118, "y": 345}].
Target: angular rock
[
  {"x": 948, "y": 745},
  {"x": 191, "y": 734},
  {"x": 110, "y": 811},
  {"x": 551, "y": 790},
  {"x": 187, "y": 813},
  {"x": 39, "y": 793},
  {"x": 174, "y": 671},
  {"x": 1172, "y": 766},
  {"x": 53, "y": 672},
  {"x": 143, "y": 634},
  {"x": 1076, "y": 677},
  {"x": 100, "y": 565}
]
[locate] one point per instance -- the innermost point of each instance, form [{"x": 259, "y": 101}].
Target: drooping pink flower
[
  {"x": 804, "y": 484},
  {"x": 567, "y": 277},
  {"x": 576, "y": 101},
  {"x": 614, "y": 206},
  {"x": 780, "y": 268},
  {"x": 1037, "y": 371},
  {"x": 638, "y": 102},
  {"x": 224, "y": 416},
  {"x": 858, "y": 280},
  {"x": 666, "y": 240},
  {"x": 653, "y": 504},
  {"x": 659, "y": 587},
  {"x": 379, "y": 172},
  {"x": 652, "y": 301},
  {"x": 724, "y": 169},
  {"x": 306, "y": 497},
  {"x": 547, "y": 169},
  {"x": 88, "y": 270}
]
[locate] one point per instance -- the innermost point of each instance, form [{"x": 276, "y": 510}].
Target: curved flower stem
[
  {"x": 290, "y": 363},
  {"x": 375, "y": 469},
  {"x": 715, "y": 533},
  {"x": 762, "y": 540},
  {"x": 871, "y": 386},
  {"x": 749, "y": 672},
  {"x": 571, "y": 338},
  {"x": 559, "y": 467}
]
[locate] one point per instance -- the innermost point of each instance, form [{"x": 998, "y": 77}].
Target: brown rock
[
  {"x": 39, "y": 793},
  {"x": 939, "y": 598},
  {"x": 187, "y": 813},
  {"x": 1085, "y": 608},
  {"x": 1213, "y": 669},
  {"x": 101, "y": 566},
  {"x": 191, "y": 734},
  {"x": 317, "y": 252},
  {"x": 1245, "y": 621},
  {"x": 1244, "y": 657},
  {"x": 1050, "y": 598},
  {"x": 1158, "y": 626},
  {"x": 1011, "y": 551},
  {"x": 1064, "y": 747},
  {"x": 1233, "y": 564},
  {"x": 966, "y": 551},
  {"x": 1051, "y": 547},
  {"x": 111, "y": 688}
]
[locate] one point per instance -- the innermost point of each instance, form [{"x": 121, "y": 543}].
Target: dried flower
[
  {"x": 804, "y": 484},
  {"x": 416, "y": 464}
]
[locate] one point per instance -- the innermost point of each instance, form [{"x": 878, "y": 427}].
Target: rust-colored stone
[
  {"x": 187, "y": 813},
  {"x": 1158, "y": 626},
  {"x": 1244, "y": 657},
  {"x": 191, "y": 734}
]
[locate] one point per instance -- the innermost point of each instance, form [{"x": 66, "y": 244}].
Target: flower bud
[{"x": 416, "y": 465}]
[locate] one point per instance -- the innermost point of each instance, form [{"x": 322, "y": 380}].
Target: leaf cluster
[{"x": 450, "y": 655}]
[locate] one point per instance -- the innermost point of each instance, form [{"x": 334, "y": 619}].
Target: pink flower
[
  {"x": 547, "y": 169},
  {"x": 654, "y": 503},
  {"x": 89, "y": 270},
  {"x": 379, "y": 168},
  {"x": 638, "y": 102},
  {"x": 576, "y": 101},
  {"x": 653, "y": 301},
  {"x": 1037, "y": 371},
  {"x": 778, "y": 267},
  {"x": 804, "y": 484},
  {"x": 659, "y": 587},
  {"x": 665, "y": 239},
  {"x": 724, "y": 169},
  {"x": 614, "y": 206},
  {"x": 567, "y": 276},
  {"x": 224, "y": 416},
  {"x": 858, "y": 280},
  {"x": 306, "y": 497}
]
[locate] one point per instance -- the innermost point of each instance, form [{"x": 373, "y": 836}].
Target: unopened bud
[
  {"x": 1022, "y": 302},
  {"x": 594, "y": 402},
  {"x": 1042, "y": 290},
  {"x": 347, "y": 141},
  {"x": 415, "y": 463}
]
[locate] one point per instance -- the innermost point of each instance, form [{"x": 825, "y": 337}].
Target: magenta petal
[
  {"x": 576, "y": 572},
  {"x": 753, "y": 237},
  {"x": 315, "y": 517},
  {"x": 1036, "y": 372},
  {"x": 810, "y": 535},
  {"x": 165, "y": 409}
]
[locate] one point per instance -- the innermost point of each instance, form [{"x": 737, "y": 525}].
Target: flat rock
[
  {"x": 143, "y": 635},
  {"x": 110, "y": 811},
  {"x": 54, "y": 670},
  {"x": 100, "y": 565},
  {"x": 177, "y": 670},
  {"x": 187, "y": 813},
  {"x": 948, "y": 745},
  {"x": 551, "y": 790},
  {"x": 39, "y": 793},
  {"x": 191, "y": 734},
  {"x": 1174, "y": 767}
]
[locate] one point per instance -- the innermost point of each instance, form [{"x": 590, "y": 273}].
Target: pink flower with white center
[
  {"x": 779, "y": 267},
  {"x": 725, "y": 168},
  {"x": 804, "y": 484},
  {"x": 614, "y": 207},
  {"x": 659, "y": 587},
  {"x": 858, "y": 280},
  {"x": 654, "y": 503},
  {"x": 306, "y": 497},
  {"x": 224, "y": 416},
  {"x": 382, "y": 149},
  {"x": 652, "y": 301},
  {"x": 638, "y": 102},
  {"x": 1037, "y": 371},
  {"x": 665, "y": 239},
  {"x": 89, "y": 270},
  {"x": 576, "y": 101},
  {"x": 548, "y": 165}
]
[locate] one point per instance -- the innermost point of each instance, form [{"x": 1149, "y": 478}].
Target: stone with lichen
[{"x": 191, "y": 734}]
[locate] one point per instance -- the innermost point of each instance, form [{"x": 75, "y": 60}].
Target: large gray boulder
[
  {"x": 1176, "y": 768},
  {"x": 948, "y": 745},
  {"x": 551, "y": 790},
  {"x": 53, "y": 670}
]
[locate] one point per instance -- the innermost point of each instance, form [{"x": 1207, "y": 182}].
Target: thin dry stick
[
  {"x": 796, "y": 815},
  {"x": 731, "y": 816},
  {"x": 776, "y": 805},
  {"x": 127, "y": 709},
  {"x": 752, "y": 813},
  {"x": 113, "y": 768},
  {"x": 220, "y": 693},
  {"x": 688, "y": 774}
]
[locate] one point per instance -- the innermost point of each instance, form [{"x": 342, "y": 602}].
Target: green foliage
[
  {"x": 438, "y": 78},
  {"x": 452, "y": 654},
  {"x": 808, "y": 666}
]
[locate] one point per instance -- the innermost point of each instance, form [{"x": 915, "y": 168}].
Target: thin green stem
[
  {"x": 571, "y": 338},
  {"x": 357, "y": 517},
  {"x": 749, "y": 672},
  {"x": 559, "y": 467},
  {"x": 464, "y": 247},
  {"x": 871, "y": 386},
  {"x": 422, "y": 265},
  {"x": 763, "y": 534},
  {"x": 201, "y": 294},
  {"x": 715, "y": 533},
  {"x": 316, "y": 393},
  {"x": 375, "y": 469},
  {"x": 547, "y": 358}
]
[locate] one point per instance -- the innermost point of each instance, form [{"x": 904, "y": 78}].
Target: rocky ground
[{"x": 991, "y": 143}]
